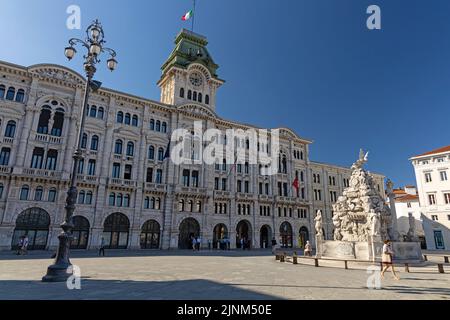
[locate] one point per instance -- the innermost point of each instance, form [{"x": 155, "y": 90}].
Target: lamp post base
[{"x": 62, "y": 269}]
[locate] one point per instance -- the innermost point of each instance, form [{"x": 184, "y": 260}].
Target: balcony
[
  {"x": 5, "y": 169},
  {"x": 40, "y": 173},
  {"x": 122, "y": 182},
  {"x": 265, "y": 197},
  {"x": 155, "y": 187},
  {"x": 220, "y": 194},
  {"x": 245, "y": 196},
  {"x": 48, "y": 139},
  {"x": 87, "y": 179},
  {"x": 7, "y": 140}
]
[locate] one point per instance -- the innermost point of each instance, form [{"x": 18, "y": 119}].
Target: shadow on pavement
[{"x": 128, "y": 290}]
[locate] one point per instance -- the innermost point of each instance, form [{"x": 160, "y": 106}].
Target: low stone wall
[{"x": 368, "y": 251}]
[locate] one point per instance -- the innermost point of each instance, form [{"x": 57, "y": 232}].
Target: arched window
[
  {"x": 10, "y": 130},
  {"x": 153, "y": 203},
  {"x": 81, "y": 197},
  {"x": 4, "y": 156},
  {"x": 151, "y": 153},
  {"x": 34, "y": 223},
  {"x": 182, "y": 93},
  {"x": 194, "y": 96},
  {"x": 189, "y": 96},
  {"x": 52, "y": 195},
  {"x": 158, "y": 176},
  {"x": 158, "y": 126},
  {"x": 80, "y": 233},
  {"x": 20, "y": 96},
  {"x": 38, "y": 194},
  {"x": 152, "y": 124},
  {"x": 119, "y": 200},
  {"x": 181, "y": 205},
  {"x": 200, "y": 97},
  {"x": 112, "y": 199},
  {"x": 207, "y": 99},
  {"x": 2, "y": 92},
  {"x": 93, "y": 112},
  {"x": 58, "y": 123},
  {"x": 120, "y": 117},
  {"x": 198, "y": 207},
  {"x": 24, "y": 192},
  {"x": 147, "y": 203},
  {"x": 84, "y": 141},
  {"x": 160, "y": 154},
  {"x": 127, "y": 118},
  {"x": 130, "y": 149},
  {"x": 149, "y": 178},
  {"x": 100, "y": 113},
  {"x": 44, "y": 118},
  {"x": 11, "y": 94},
  {"x": 94, "y": 143},
  {"x": 135, "y": 121},
  {"x": 158, "y": 204},
  {"x": 164, "y": 127},
  {"x": 116, "y": 231},
  {"x": 88, "y": 197},
  {"x": 190, "y": 206},
  {"x": 126, "y": 201},
  {"x": 1, "y": 190},
  {"x": 118, "y": 147},
  {"x": 150, "y": 234},
  {"x": 186, "y": 178}
]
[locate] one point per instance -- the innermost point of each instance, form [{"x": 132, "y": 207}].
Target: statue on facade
[
  {"x": 411, "y": 235},
  {"x": 318, "y": 221}
]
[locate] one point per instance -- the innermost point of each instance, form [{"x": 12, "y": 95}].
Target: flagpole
[{"x": 193, "y": 17}]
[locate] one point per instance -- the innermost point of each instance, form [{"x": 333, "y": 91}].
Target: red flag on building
[{"x": 295, "y": 184}]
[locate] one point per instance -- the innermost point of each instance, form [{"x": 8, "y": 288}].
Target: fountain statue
[{"x": 362, "y": 221}]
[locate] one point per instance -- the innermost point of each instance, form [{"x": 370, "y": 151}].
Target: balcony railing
[
  {"x": 90, "y": 179},
  {"x": 47, "y": 138},
  {"x": 219, "y": 193},
  {"x": 123, "y": 182},
  {"x": 8, "y": 140},
  {"x": 5, "y": 169},
  {"x": 156, "y": 187},
  {"x": 192, "y": 190},
  {"x": 41, "y": 173}
]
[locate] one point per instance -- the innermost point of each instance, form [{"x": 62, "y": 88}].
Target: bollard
[
  {"x": 407, "y": 267},
  {"x": 346, "y": 265},
  {"x": 294, "y": 258},
  {"x": 446, "y": 259},
  {"x": 425, "y": 258},
  {"x": 316, "y": 262},
  {"x": 277, "y": 257},
  {"x": 283, "y": 257},
  {"x": 441, "y": 268}
]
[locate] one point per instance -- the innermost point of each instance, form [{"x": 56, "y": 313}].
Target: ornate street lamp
[{"x": 62, "y": 269}]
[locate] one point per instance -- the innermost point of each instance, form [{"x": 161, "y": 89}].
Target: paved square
[{"x": 209, "y": 275}]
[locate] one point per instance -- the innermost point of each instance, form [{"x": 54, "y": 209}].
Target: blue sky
[{"x": 311, "y": 65}]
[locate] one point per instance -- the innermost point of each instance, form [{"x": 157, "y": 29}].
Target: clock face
[{"x": 196, "y": 79}]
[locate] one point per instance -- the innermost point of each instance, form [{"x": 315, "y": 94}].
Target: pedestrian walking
[
  {"x": 308, "y": 249},
  {"x": 20, "y": 245},
  {"x": 199, "y": 242},
  {"x": 387, "y": 259},
  {"x": 101, "y": 251},
  {"x": 242, "y": 244},
  {"x": 25, "y": 245},
  {"x": 194, "y": 243}
]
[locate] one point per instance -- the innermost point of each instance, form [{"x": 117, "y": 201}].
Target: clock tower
[{"x": 189, "y": 74}]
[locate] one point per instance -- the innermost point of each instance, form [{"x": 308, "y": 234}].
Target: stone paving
[{"x": 186, "y": 275}]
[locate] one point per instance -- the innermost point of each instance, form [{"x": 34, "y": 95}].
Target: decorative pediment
[
  {"x": 197, "y": 110},
  {"x": 56, "y": 73},
  {"x": 288, "y": 133}
]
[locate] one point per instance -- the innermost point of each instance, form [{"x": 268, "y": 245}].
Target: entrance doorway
[
  {"x": 219, "y": 236},
  {"x": 188, "y": 228},
  {"x": 265, "y": 237},
  {"x": 243, "y": 235},
  {"x": 286, "y": 235}
]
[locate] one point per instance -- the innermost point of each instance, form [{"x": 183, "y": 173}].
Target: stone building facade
[{"x": 130, "y": 195}]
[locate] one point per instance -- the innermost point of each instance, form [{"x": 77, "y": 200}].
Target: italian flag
[{"x": 187, "y": 16}]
